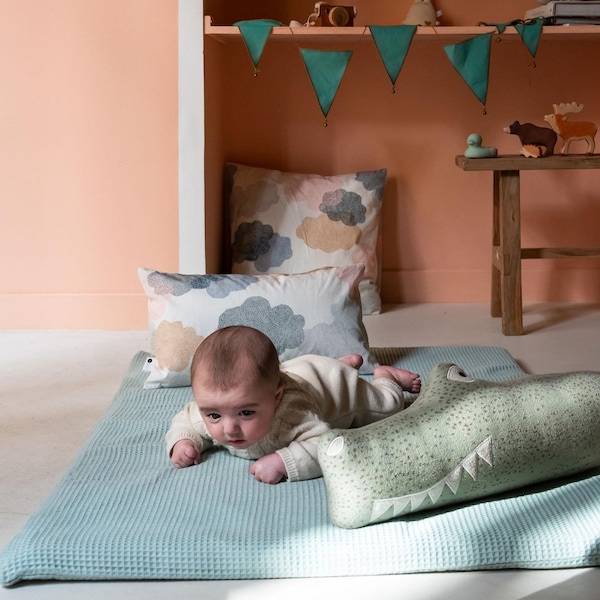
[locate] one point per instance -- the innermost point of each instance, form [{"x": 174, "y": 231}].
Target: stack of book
[{"x": 567, "y": 12}]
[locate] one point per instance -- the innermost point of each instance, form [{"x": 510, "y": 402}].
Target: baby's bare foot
[
  {"x": 408, "y": 381},
  {"x": 352, "y": 360}
]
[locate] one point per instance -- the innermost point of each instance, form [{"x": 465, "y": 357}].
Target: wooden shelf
[
  {"x": 230, "y": 33},
  {"x": 516, "y": 162}
]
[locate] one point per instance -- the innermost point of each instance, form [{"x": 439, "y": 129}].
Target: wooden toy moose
[{"x": 571, "y": 131}]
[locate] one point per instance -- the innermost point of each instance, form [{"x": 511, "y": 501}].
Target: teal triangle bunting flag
[
  {"x": 471, "y": 59},
  {"x": 255, "y": 34},
  {"x": 325, "y": 69},
  {"x": 393, "y": 42},
  {"x": 530, "y": 33}
]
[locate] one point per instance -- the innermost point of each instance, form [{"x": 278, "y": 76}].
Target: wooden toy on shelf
[
  {"x": 571, "y": 131},
  {"x": 476, "y": 150},
  {"x": 535, "y": 141},
  {"x": 423, "y": 13}
]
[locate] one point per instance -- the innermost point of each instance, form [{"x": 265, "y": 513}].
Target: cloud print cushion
[
  {"x": 306, "y": 313},
  {"x": 292, "y": 223}
]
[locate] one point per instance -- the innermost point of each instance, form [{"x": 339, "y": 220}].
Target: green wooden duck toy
[{"x": 476, "y": 150}]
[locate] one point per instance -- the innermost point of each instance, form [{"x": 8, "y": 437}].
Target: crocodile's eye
[
  {"x": 336, "y": 446},
  {"x": 455, "y": 373}
]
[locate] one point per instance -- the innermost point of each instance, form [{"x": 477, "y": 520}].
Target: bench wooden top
[{"x": 516, "y": 162}]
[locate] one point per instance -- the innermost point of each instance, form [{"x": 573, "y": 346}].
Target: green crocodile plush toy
[{"x": 462, "y": 439}]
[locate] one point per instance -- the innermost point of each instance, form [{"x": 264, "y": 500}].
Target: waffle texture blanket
[{"x": 123, "y": 512}]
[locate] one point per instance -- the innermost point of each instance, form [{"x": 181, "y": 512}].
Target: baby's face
[{"x": 241, "y": 416}]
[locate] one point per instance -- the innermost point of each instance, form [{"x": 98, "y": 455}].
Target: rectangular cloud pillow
[
  {"x": 307, "y": 313},
  {"x": 292, "y": 223}
]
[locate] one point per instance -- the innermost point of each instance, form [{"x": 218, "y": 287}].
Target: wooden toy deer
[{"x": 571, "y": 131}]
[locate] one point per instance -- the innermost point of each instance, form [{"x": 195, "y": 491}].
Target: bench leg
[
  {"x": 509, "y": 255},
  {"x": 496, "y": 301}
]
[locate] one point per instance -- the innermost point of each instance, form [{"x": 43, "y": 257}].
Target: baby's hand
[
  {"x": 185, "y": 454},
  {"x": 269, "y": 469}
]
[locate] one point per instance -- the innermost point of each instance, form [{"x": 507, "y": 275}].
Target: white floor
[{"x": 54, "y": 386}]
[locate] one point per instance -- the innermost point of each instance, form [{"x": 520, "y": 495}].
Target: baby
[{"x": 272, "y": 412}]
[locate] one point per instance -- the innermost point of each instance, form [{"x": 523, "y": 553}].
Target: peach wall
[
  {"x": 437, "y": 220},
  {"x": 88, "y": 159}
]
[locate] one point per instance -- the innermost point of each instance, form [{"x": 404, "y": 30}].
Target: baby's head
[{"x": 237, "y": 385}]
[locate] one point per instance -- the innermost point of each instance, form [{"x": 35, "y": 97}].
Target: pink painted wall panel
[{"x": 88, "y": 159}]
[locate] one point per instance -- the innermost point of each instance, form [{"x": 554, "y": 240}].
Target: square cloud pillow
[
  {"x": 306, "y": 313},
  {"x": 292, "y": 223}
]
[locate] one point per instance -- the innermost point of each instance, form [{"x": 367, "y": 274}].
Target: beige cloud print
[
  {"x": 321, "y": 233},
  {"x": 173, "y": 345}
]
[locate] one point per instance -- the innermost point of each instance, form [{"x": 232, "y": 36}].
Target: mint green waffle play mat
[{"x": 123, "y": 512}]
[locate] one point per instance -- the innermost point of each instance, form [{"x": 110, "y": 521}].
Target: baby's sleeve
[
  {"x": 300, "y": 455},
  {"x": 188, "y": 425}
]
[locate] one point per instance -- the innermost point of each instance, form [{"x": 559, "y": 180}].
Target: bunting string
[{"x": 326, "y": 68}]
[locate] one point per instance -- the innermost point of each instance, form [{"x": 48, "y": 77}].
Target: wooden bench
[{"x": 506, "y": 301}]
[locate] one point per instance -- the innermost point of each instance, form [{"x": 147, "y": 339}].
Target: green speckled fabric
[{"x": 463, "y": 438}]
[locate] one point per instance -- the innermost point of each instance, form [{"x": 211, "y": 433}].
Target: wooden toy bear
[{"x": 535, "y": 141}]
